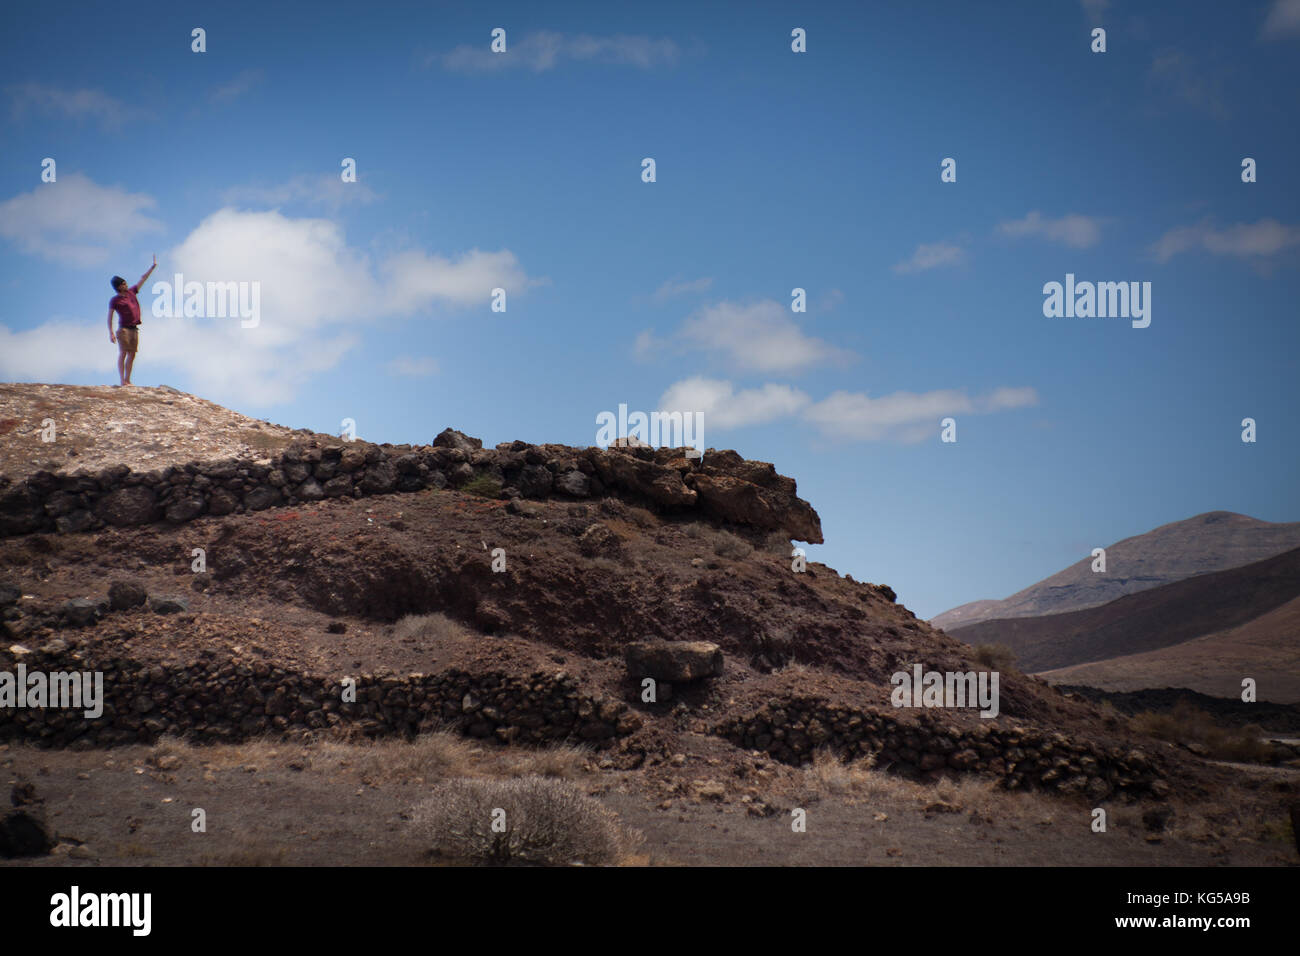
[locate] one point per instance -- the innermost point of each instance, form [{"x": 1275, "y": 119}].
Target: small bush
[
  {"x": 485, "y": 486},
  {"x": 727, "y": 545},
  {"x": 997, "y": 657},
  {"x": 428, "y": 627},
  {"x": 546, "y": 821},
  {"x": 1185, "y": 724}
]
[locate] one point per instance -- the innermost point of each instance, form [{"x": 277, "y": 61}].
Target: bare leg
[
  {"x": 130, "y": 361},
  {"x": 121, "y": 374}
]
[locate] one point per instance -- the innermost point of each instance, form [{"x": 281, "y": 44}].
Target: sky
[{"x": 774, "y": 170}]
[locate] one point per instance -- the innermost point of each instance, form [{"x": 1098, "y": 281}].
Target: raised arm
[{"x": 145, "y": 277}]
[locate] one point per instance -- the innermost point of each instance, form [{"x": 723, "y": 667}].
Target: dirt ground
[{"x": 334, "y": 803}]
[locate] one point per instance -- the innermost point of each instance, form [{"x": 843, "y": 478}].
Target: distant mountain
[
  {"x": 1266, "y": 648},
  {"x": 1206, "y": 604},
  {"x": 1214, "y": 541}
]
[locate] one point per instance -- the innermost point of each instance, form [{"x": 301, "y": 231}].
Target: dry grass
[
  {"x": 1185, "y": 724},
  {"x": 429, "y": 628},
  {"x": 248, "y": 853},
  {"x": 862, "y": 781},
  {"x": 532, "y": 819},
  {"x": 997, "y": 657},
  {"x": 728, "y": 545},
  {"x": 437, "y": 755}
]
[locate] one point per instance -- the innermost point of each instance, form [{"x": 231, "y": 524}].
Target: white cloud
[
  {"x": 78, "y": 104},
  {"x": 761, "y": 336},
  {"x": 1075, "y": 231},
  {"x": 931, "y": 256},
  {"x": 75, "y": 221},
  {"x": 1257, "y": 241},
  {"x": 315, "y": 291},
  {"x": 237, "y": 87},
  {"x": 1283, "y": 19},
  {"x": 854, "y": 416},
  {"x": 418, "y": 367},
  {"x": 724, "y": 407},
  {"x": 673, "y": 287},
  {"x": 415, "y": 280},
  {"x": 905, "y": 416},
  {"x": 324, "y": 190},
  {"x": 546, "y": 49}
]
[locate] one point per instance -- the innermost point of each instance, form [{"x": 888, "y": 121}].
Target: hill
[
  {"x": 517, "y": 597},
  {"x": 1266, "y": 648},
  {"x": 1215, "y": 541},
  {"x": 1156, "y": 618}
]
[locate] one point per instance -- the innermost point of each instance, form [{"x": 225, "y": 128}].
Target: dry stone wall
[
  {"x": 228, "y": 700},
  {"x": 726, "y": 487},
  {"x": 791, "y": 729}
]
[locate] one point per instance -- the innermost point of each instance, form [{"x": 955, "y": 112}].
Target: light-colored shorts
[{"x": 128, "y": 340}]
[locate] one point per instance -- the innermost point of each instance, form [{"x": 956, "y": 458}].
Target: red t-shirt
[{"x": 127, "y": 307}]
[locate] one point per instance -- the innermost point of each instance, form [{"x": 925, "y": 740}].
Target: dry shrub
[
  {"x": 728, "y": 545},
  {"x": 997, "y": 657},
  {"x": 428, "y": 756},
  {"x": 778, "y": 542},
  {"x": 564, "y": 761},
  {"x": 1186, "y": 724},
  {"x": 429, "y": 627},
  {"x": 546, "y": 821}
]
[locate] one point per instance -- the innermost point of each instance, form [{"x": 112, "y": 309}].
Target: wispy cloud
[
  {"x": 237, "y": 87},
  {"x": 725, "y": 407},
  {"x": 931, "y": 256},
  {"x": 321, "y": 190},
  {"x": 1283, "y": 20},
  {"x": 76, "y": 221},
  {"x": 907, "y": 417},
  {"x": 1073, "y": 230},
  {"x": 546, "y": 49},
  {"x": 80, "y": 104},
  {"x": 760, "y": 336},
  {"x": 674, "y": 287},
  {"x": 1255, "y": 241}
]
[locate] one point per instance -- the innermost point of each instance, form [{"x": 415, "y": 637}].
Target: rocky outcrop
[
  {"x": 674, "y": 661},
  {"x": 725, "y": 488}
]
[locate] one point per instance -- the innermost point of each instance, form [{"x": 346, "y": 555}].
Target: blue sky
[{"x": 775, "y": 170}]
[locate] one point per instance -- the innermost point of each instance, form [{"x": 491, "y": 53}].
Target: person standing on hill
[{"x": 127, "y": 306}]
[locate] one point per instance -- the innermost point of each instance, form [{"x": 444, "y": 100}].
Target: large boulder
[
  {"x": 673, "y": 661},
  {"x": 185, "y": 508},
  {"x": 770, "y": 509},
  {"x": 81, "y": 612},
  {"x": 450, "y": 438},
  {"x": 128, "y": 506},
  {"x": 124, "y": 595},
  {"x": 663, "y": 486},
  {"x": 379, "y": 478},
  {"x": 573, "y": 483},
  {"x": 262, "y": 497}
]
